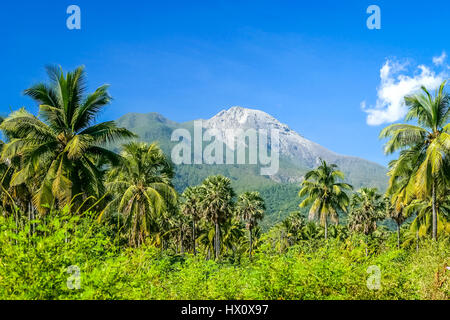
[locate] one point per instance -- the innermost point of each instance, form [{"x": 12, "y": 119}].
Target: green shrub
[{"x": 34, "y": 266}]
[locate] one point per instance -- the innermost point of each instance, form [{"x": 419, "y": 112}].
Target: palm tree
[
  {"x": 423, "y": 209},
  {"x": 142, "y": 182},
  {"x": 324, "y": 193},
  {"x": 396, "y": 213},
  {"x": 250, "y": 207},
  {"x": 292, "y": 229},
  {"x": 399, "y": 195},
  {"x": 232, "y": 232},
  {"x": 217, "y": 204},
  {"x": 191, "y": 207},
  {"x": 61, "y": 145},
  {"x": 426, "y": 145},
  {"x": 178, "y": 229},
  {"x": 367, "y": 207}
]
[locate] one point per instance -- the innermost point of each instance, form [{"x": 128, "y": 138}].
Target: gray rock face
[
  {"x": 292, "y": 144},
  {"x": 296, "y": 149}
]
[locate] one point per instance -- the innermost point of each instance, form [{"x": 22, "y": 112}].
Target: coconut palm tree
[
  {"x": 423, "y": 210},
  {"x": 217, "y": 204},
  {"x": 192, "y": 197},
  {"x": 293, "y": 228},
  {"x": 367, "y": 207},
  {"x": 250, "y": 208},
  {"x": 399, "y": 195},
  {"x": 61, "y": 145},
  {"x": 232, "y": 232},
  {"x": 426, "y": 146},
  {"x": 325, "y": 193},
  {"x": 142, "y": 183}
]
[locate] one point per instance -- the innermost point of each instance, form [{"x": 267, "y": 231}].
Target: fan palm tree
[
  {"x": 325, "y": 193},
  {"x": 192, "y": 197},
  {"x": 367, "y": 207},
  {"x": 217, "y": 204},
  {"x": 142, "y": 183},
  {"x": 61, "y": 145},
  {"x": 426, "y": 146},
  {"x": 250, "y": 208}
]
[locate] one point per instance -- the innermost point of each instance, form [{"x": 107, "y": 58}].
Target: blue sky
[{"x": 311, "y": 64}]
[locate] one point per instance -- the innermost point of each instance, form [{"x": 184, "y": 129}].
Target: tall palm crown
[
  {"x": 143, "y": 181},
  {"x": 325, "y": 193},
  {"x": 217, "y": 204},
  {"x": 250, "y": 207},
  {"x": 367, "y": 207},
  {"x": 62, "y": 145},
  {"x": 425, "y": 147}
]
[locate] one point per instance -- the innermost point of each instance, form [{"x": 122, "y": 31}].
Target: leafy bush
[{"x": 34, "y": 266}]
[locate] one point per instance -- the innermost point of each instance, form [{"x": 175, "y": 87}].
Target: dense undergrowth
[{"x": 35, "y": 257}]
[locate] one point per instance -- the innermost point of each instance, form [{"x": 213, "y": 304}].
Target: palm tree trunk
[
  {"x": 326, "y": 228},
  {"x": 417, "y": 241},
  {"x": 29, "y": 220},
  {"x": 33, "y": 225},
  {"x": 217, "y": 240},
  {"x": 366, "y": 241},
  {"x": 193, "y": 235},
  {"x": 434, "y": 210},
  {"x": 398, "y": 235},
  {"x": 181, "y": 244},
  {"x": 251, "y": 242}
]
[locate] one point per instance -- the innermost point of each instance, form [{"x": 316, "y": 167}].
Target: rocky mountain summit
[{"x": 292, "y": 145}]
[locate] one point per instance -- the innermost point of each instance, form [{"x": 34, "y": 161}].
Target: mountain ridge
[
  {"x": 161, "y": 118},
  {"x": 297, "y": 153},
  {"x": 279, "y": 191}
]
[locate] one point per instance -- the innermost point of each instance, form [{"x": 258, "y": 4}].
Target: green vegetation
[
  {"x": 325, "y": 195},
  {"x": 35, "y": 266},
  {"x": 59, "y": 155},
  {"x": 70, "y": 203},
  {"x": 422, "y": 170},
  {"x": 250, "y": 208}
]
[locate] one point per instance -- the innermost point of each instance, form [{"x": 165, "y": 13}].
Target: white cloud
[
  {"x": 394, "y": 86},
  {"x": 439, "y": 61}
]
